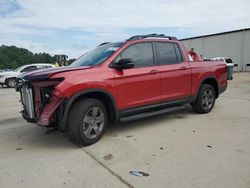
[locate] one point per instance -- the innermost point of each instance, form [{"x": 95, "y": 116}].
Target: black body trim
[
  {"x": 135, "y": 113},
  {"x": 158, "y": 106},
  {"x": 217, "y": 85},
  {"x": 150, "y": 114},
  {"x": 63, "y": 122}
]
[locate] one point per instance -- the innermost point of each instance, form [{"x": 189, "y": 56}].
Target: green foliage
[{"x": 12, "y": 57}]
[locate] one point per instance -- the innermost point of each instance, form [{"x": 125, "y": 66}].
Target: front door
[{"x": 138, "y": 86}]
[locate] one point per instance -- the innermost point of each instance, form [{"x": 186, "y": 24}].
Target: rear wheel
[
  {"x": 11, "y": 82},
  {"x": 87, "y": 121},
  {"x": 205, "y": 99}
]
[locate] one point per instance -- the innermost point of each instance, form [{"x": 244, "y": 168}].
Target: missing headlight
[{"x": 46, "y": 93}]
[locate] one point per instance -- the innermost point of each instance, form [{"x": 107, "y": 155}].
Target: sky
[{"x": 73, "y": 27}]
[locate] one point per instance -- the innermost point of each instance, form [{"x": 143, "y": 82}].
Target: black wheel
[
  {"x": 87, "y": 121},
  {"x": 11, "y": 82},
  {"x": 205, "y": 99}
]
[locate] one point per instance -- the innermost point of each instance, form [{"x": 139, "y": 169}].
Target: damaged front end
[{"x": 40, "y": 101}]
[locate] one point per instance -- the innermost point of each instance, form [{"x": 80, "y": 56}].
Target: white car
[{"x": 9, "y": 77}]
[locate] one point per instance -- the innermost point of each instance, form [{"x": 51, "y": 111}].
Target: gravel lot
[{"x": 178, "y": 149}]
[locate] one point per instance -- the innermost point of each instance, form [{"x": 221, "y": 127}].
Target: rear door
[
  {"x": 138, "y": 86},
  {"x": 175, "y": 73}
]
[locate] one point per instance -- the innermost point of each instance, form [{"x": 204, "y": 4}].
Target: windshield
[
  {"x": 19, "y": 68},
  {"x": 97, "y": 55}
]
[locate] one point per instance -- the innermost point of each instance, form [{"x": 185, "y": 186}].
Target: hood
[
  {"x": 44, "y": 74},
  {"x": 6, "y": 72},
  {"x": 9, "y": 73}
]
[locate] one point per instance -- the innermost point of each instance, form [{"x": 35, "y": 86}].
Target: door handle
[
  {"x": 153, "y": 71},
  {"x": 183, "y": 68}
]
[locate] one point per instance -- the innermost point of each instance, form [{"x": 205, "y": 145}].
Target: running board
[{"x": 150, "y": 114}]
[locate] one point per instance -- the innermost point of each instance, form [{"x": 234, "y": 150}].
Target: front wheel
[
  {"x": 205, "y": 99},
  {"x": 11, "y": 82},
  {"x": 87, "y": 121}
]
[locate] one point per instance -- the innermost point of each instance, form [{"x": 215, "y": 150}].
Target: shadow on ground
[
  {"x": 150, "y": 121},
  {"x": 30, "y": 135}
]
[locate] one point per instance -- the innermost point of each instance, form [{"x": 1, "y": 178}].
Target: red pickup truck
[{"x": 143, "y": 76}]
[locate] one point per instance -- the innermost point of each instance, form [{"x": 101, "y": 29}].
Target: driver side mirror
[{"x": 123, "y": 64}]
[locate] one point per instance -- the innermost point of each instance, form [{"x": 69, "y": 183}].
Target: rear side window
[
  {"x": 41, "y": 66},
  {"x": 141, "y": 54},
  {"x": 167, "y": 54},
  {"x": 178, "y": 53}
]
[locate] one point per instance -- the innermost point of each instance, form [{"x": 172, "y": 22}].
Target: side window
[
  {"x": 42, "y": 67},
  {"x": 167, "y": 55},
  {"x": 28, "y": 69},
  {"x": 141, "y": 54},
  {"x": 178, "y": 53}
]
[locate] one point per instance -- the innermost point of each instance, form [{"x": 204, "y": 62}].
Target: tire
[
  {"x": 205, "y": 100},
  {"x": 11, "y": 82},
  {"x": 87, "y": 121}
]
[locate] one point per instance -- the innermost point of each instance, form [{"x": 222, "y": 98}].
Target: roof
[{"x": 222, "y": 33}]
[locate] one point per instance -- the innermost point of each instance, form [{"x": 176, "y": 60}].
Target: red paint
[{"x": 137, "y": 86}]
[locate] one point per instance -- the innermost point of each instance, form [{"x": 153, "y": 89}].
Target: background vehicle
[
  {"x": 4, "y": 70},
  {"x": 143, "y": 76},
  {"x": 207, "y": 59},
  {"x": 227, "y": 60},
  {"x": 9, "y": 77}
]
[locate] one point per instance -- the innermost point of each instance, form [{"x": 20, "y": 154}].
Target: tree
[{"x": 12, "y": 57}]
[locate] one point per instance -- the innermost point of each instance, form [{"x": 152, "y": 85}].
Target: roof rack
[{"x": 154, "y": 35}]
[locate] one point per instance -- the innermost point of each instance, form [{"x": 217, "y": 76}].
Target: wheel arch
[
  {"x": 213, "y": 82},
  {"x": 11, "y": 77},
  {"x": 6, "y": 79},
  {"x": 100, "y": 94}
]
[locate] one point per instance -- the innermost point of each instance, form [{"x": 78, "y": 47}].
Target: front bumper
[
  {"x": 2, "y": 80},
  {"x": 34, "y": 108}
]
